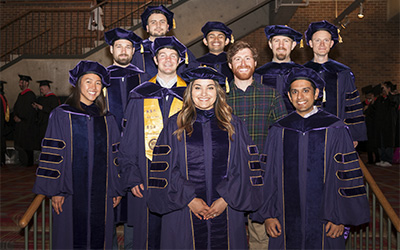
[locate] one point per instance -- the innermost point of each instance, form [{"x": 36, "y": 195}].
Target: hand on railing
[{"x": 57, "y": 202}]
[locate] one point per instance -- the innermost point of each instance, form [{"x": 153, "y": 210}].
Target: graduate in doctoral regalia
[
  {"x": 78, "y": 165},
  {"x": 205, "y": 171},
  {"x": 313, "y": 181}
]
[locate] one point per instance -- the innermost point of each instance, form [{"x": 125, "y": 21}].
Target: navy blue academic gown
[
  {"x": 312, "y": 177},
  {"x": 143, "y": 59},
  {"x": 206, "y": 165},
  {"x": 273, "y": 75},
  {"x": 134, "y": 162},
  {"x": 78, "y": 161},
  {"x": 123, "y": 80},
  {"x": 342, "y": 96},
  {"x": 218, "y": 62}
]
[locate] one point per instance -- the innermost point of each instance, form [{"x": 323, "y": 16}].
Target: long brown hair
[
  {"x": 74, "y": 99},
  {"x": 187, "y": 116}
]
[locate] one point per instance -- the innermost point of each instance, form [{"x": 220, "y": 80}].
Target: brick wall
[{"x": 370, "y": 45}]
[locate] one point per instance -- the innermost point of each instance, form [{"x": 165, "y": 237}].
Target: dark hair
[
  {"x": 390, "y": 85},
  {"x": 303, "y": 78},
  {"x": 74, "y": 99},
  {"x": 156, "y": 12},
  {"x": 239, "y": 45},
  {"x": 187, "y": 116}
]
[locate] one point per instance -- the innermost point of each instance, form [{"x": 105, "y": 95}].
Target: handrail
[
  {"x": 27, "y": 41},
  {"x": 67, "y": 41},
  {"x": 381, "y": 197},
  {"x": 26, "y": 218},
  {"x": 125, "y": 16}
]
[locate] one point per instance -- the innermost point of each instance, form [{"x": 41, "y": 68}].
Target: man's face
[
  {"x": 321, "y": 43},
  {"x": 216, "y": 42},
  {"x": 167, "y": 61},
  {"x": 243, "y": 64},
  {"x": 281, "y": 47},
  {"x": 23, "y": 85},
  {"x": 157, "y": 25},
  {"x": 122, "y": 51},
  {"x": 302, "y": 96},
  {"x": 44, "y": 90},
  {"x": 385, "y": 89}
]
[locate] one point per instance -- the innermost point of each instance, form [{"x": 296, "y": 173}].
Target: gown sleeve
[
  {"x": 345, "y": 200},
  {"x": 54, "y": 174},
  {"x": 168, "y": 187}
]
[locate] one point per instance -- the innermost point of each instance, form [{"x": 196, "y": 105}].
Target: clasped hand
[{"x": 202, "y": 211}]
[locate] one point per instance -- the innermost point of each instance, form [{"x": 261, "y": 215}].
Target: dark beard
[{"x": 123, "y": 62}]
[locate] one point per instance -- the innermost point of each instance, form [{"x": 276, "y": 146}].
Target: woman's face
[
  {"x": 204, "y": 93},
  {"x": 90, "y": 88}
]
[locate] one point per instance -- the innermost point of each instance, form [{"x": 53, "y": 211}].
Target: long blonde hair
[{"x": 187, "y": 116}]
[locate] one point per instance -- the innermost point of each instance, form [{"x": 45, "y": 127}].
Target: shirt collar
[
  {"x": 169, "y": 84},
  {"x": 312, "y": 112}
]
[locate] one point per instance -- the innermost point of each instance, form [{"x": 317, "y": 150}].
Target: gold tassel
[
  {"x": 173, "y": 23},
  {"x": 141, "y": 48},
  {"x": 7, "y": 114},
  {"x": 186, "y": 59},
  {"x": 105, "y": 92},
  {"x": 301, "y": 43},
  {"x": 340, "y": 38},
  {"x": 323, "y": 95},
  {"x": 232, "y": 39},
  {"x": 226, "y": 85}
]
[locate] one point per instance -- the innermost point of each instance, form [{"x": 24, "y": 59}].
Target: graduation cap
[
  {"x": 24, "y": 78},
  {"x": 306, "y": 74},
  {"x": 115, "y": 34},
  {"x": 172, "y": 43},
  {"x": 1, "y": 84},
  {"x": 167, "y": 13},
  {"x": 217, "y": 26},
  {"x": 89, "y": 67},
  {"x": 367, "y": 89},
  {"x": 282, "y": 30},
  {"x": 204, "y": 72},
  {"x": 322, "y": 25},
  {"x": 44, "y": 83}
]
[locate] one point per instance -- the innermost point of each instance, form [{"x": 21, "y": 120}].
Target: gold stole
[{"x": 153, "y": 118}]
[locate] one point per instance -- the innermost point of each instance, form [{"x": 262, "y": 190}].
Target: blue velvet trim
[
  {"x": 53, "y": 143},
  {"x": 263, "y": 158},
  {"x": 330, "y": 91},
  {"x": 252, "y": 149},
  {"x": 158, "y": 166},
  {"x": 352, "y": 192},
  {"x": 315, "y": 188},
  {"x": 257, "y": 180},
  {"x": 354, "y": 120},
  {"x": 291, "y": 192},
  {"x": 51, "y": 158},
  {"x": 157, "y": 183},
  {"x": 346, "y": 158},
  {"x": 254, "y": 165},
  {"x": 99, "y": 184},
  {"x": 353, "y": 108},
  {"x": 48, "y": 173},
  {"x": 80, "y": 181},
  {"x": 353, "y": 95},
  {"x": 161, "y": 150},
  {"x": 349, "y": 174},
  {"x": 115, "y": 147}
]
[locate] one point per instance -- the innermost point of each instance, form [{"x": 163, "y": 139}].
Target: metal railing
[
  {"x": 65, "y": 31},
  {"x": 362, "y": 237},
  {"x": 365, "y": 236}
]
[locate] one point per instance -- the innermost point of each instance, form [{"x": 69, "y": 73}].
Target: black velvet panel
[
  {"x": 314, "y": 190},
  {"x": 291, "y": 192},
  {"x": 80, "y": 181},
  {"x": 161, "y": 150},
  {"x": 353, "y": 108},
  {"x": 51, "y": 143},
  {"x": 157, "y": 183},
  {"x": 99, "y": 184},
  {"x": 158, "y": 166},
  {"x": 353, "y": 95},
  {"x": 54, "y": 174},
  {"x": 115, "y": 147},
  {"x": 349, "y": 175},
  {"x": 52, "y": 158},
  {"x": 252, "y": 149},
  {"x": 257, "y": 180},
  {"x": 354, "y": 120},
  {"x": 351, "y": 192},
  {"x": 346, "y": 158},
  {"x": 263, "y": 158},
  {"x": 330, "y": 91},
  {"x": 124, "y": 121},
  {"x": 255, "y": 166},
  {"x": 318, "y": 121}
]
